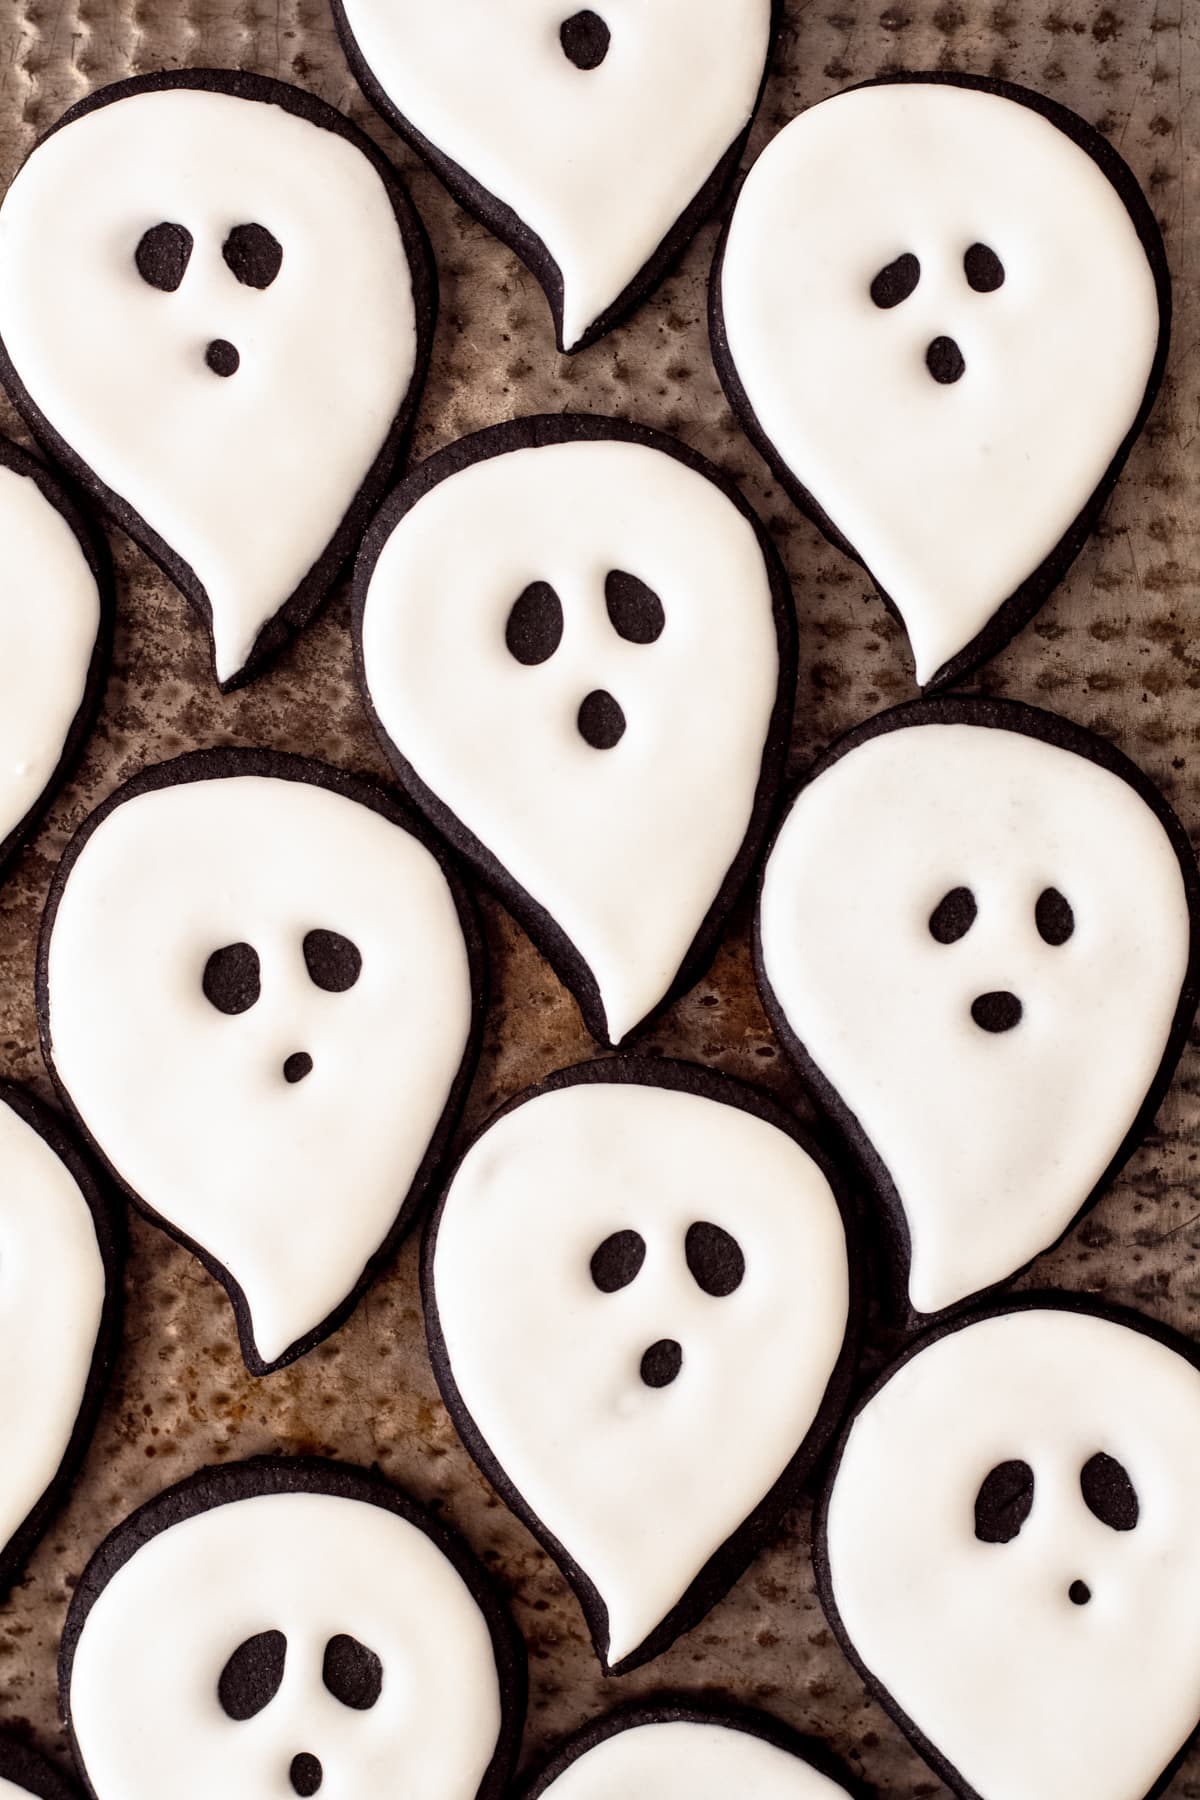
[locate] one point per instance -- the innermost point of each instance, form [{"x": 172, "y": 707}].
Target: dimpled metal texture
[{"x": 1113, "y": 648}]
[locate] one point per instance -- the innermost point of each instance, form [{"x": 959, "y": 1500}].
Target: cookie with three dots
[
  {"x": 56, "y": 620},
  {"x": 259, "y": 991},
  {"x": 23, "y": 1772},
  {"x": 642, "y": 1302},
  {"x": 577, "y": 645},
  {"x": 941, "y": 311},
  {"x": 977, "y": 938},
  {"x": 60, "y": 1296},
  {"x": 689, "y": 1748},
  {"x": 574, "y": 134},
  {"x": 289, "y": 1626},
  {"x": 216, "y": 305},
  {"x": 1006, "y": 1548}
]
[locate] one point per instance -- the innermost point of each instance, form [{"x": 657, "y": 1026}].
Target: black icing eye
[
  {"x": 601, "y": 721},
  {"x": 715, "y": 1259},
  {"x": 1003, "y": 1503},
  {"x": 253, "y": 254},
  {"x": 1109, "y": 1493},
  {"x": 953, "y": 916},
  {"x": 983, "y": 269},
  {"x": 897, "y": 281},
  {"x": 618, "y": 1261},
  {"x": 253, "y": 1675},
  {"x": 332, "y": 961},
  {"x": 635, "y": 610},
  {"x": 232, "y": 981},
  {"x": 1055, "y": 920},
  {"x": 585, "y": 39},
  {"x": 352, "y": 1673},
  {"x": 535, "y": 624},
  {"x": 162, "y": 255}
]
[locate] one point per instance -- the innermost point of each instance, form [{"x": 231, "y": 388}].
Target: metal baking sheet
[{"x": 1114, "y": 649}]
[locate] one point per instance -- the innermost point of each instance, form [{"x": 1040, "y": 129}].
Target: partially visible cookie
[
  {"x": 977, "y": 936},
  {"x": 690, "y": 1748},
  {"x": 260, "y": 992},
  {"x": 642, "y": 1308},
  {"x": 577, "y": 645},
  {"x": 289, "y": 1626},
  {"x": 24, "y": 1772},
  {"x": 595, "y": 142},
  {"x": 56, "y": 622},
  {"x": 216, "y": 305},
  {"x": 941, "y": 311},
  {"x": 60, "y": 1293}
]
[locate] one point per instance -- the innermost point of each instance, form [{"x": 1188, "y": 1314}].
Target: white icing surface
[
  {"x": 10, "y": 1791},
  {"x": 598, "y": 163},
  {"x": 51, "y": 1300},
  {"x": 625, "y": 848},
  {"x": 952, "y": 495},
  {"x": 993, "y": 1140},
  {"x": 684, "y": 1760},
  {"x": 292, "y": 1187},
  {"x": 144, "y": 1702},
  {"x": 246, "y": 478},
  {"x": 1028, "y": 1696},
  {"x": 640, "y": 1485},
  {"x": 49, "y": 621}
]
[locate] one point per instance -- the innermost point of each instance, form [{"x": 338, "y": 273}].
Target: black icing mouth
[
  {"x": 662, "y": 1363},
  {"x": 601, "y": 721},
  {"x": 306, "y": 1774},
  {"x": 1079, "y": 1593},
  {"x": 945, "y": 361},
  {"x": 223, "y": 357},
  {"x": 297, "y": 1066},
  {"x": 996, "y": 1012}
]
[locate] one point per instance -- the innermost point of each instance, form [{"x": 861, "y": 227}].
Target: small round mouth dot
[
  {"x": 222, "y": 357},
  {"x": 662, "y": 1363},
  {"x": 306, "y": 1775},
  {"x": 601, "y": 721},
  {"x": 1079, "y": 1593},
  {"x": 996, "y": 1012},
  {"x": 297, "y": 1066},
  {"x": 944, "y": 360}
]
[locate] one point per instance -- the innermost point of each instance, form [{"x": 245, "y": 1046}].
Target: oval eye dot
[
  {"x": 1054, "y": 918},
  {"x": 535, "y": 625},
  {"x": 585, "y": 39},
  {"x": 635, "y": 610},
  {"x": 1003, "y": 1503},
  {"x": 253, "y": 254},
  {"x": 983, "y": 269},
  {"x": 953, "y": 916},
  {"x": 618, "y": 1261},
  {"x": 1108, "y": 1492},
  {"x": 897, "y": 281},
  {"x": 352, "y": 1673},
  {"x": 232, "y": 981},
  {"x": 253, "y": 1675},
  {"x": 163, "y": 254},
  {"x": 332, "y": 961},
  {"x": 715, "y": 1259}
]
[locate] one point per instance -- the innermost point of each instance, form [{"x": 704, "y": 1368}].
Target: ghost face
[
  {"x": 642, "y": 1339},
  {"x": 573, "y": 649},
  {"x": 343, "y": 1653},
  {"x": 580, "y": 122},
  {"x": 978, "y": 942},
  {"x": 287, "y": 1002},
  {"x": 1033, "y": 1476},
  {"x": 206, "y": 302},
  {"x": 686, "y": 1757},
  {"x": 938, "y": 310}
]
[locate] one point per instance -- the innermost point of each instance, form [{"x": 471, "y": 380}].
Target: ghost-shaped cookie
[
  {"x": 286, "y": 1627},
  {"x": 59, "y": 1294},
  {"x": 215, "y": 309},
  {"x": 577, "y": 645},
  {"x": 976, "y": 937},
  {"x": 23, "y": 1773},
  {"x": 56, "y": 606},
  {"x": 1007, "y": 1549},
  {"x": 575, "y": 135},
  {"x": 258, "y": 991},
  {"x": 942, "y": 311},
  {"x": 641, "y": 1314},
  {"x": 688, "y": 1749}
]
